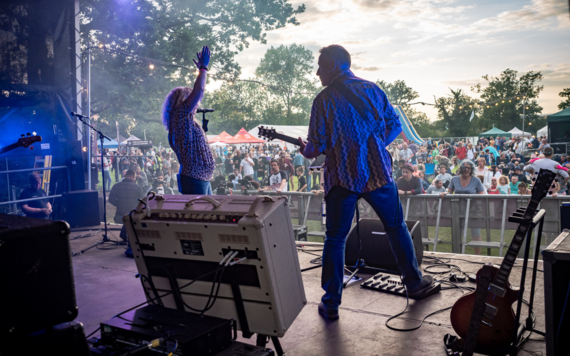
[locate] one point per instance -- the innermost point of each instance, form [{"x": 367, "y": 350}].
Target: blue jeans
[
  {"x": 189, "y": 185},
  {"x": 108, "y": 180},
  {"x": 341, "y": 204}
]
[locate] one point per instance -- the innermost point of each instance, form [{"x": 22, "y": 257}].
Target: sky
[{"x": 434, "y": 45}]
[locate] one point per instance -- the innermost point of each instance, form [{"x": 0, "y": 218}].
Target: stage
[{"x": 106, "y": 284}]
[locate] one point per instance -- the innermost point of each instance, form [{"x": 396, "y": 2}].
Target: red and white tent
[
  {"x": 243, "y": 137},
  {"x": 223, "y": 137}
]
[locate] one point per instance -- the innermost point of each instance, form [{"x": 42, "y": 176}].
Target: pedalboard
[{"x": 390, "y": 283}]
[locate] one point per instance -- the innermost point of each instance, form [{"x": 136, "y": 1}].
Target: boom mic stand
[{"x": 102, "y": 136}]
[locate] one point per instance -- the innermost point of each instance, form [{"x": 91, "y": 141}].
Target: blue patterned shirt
[{"x": 356, "y": 155}]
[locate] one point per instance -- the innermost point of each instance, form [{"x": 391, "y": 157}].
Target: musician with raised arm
[
  {"x": 357, "y": 166},
  {"x": 185, "y": 135}
]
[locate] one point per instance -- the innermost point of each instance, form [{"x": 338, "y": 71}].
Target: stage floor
[{"x": 106, "y": 285}]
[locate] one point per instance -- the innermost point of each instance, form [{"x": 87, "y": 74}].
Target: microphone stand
[{"x": 102, "y": 136}]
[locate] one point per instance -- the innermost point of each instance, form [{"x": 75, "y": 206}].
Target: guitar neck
[
  {"x": 286, "y": 138},
  {"x": 502, "y": 276},
  {"x": 9, "y": 147}
]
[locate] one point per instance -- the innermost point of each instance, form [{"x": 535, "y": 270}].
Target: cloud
[
  {"x": 464, "y": 82},
  {"x": 365, "y": 69}
]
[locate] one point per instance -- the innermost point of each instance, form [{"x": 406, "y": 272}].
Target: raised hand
[{"x": 203, "y": 58}]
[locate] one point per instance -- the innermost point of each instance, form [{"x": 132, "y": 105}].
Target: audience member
[
  {"x": 125, "y": 195},
  {"x": 436, "y": 188},
  {"x": 408, "y": 184},
  {"x": 39, "y": 209}
]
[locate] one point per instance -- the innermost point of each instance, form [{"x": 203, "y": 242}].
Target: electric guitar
[
  {"x": 498, "y": 322},
  {"x": 270, "y": 134},
  {"x": 22, "y": 142}
]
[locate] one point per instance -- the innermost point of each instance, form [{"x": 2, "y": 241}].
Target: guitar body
[{"x": 496, "y": 331}]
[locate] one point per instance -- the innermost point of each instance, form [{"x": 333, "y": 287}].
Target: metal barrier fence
[{"x": 485, "y": 212}]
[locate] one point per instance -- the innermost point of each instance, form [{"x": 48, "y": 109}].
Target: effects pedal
[{"x": 390, "y": 283}]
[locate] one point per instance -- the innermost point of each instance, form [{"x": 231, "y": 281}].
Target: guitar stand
[
  {"x": 360, "y": 264},
  {"x": 454, "y": 345}
]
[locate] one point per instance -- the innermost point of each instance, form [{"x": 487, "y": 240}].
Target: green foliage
[
  {"x": 399, "y": 93},
  {"x": 566, "y": 103},
  {"x": 507, "y": 115},
  {"x": 454, "y": 114},
  {"x": 126, "y": 90}
]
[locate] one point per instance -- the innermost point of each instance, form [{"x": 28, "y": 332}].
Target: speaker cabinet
[
  {"x": 82, "y": 208},
  {"x": 564, "y": 216},
  {"x": 376, "y": 250},
  {"x": 557, "y": 294},
  {"x": 36, "y": 276}
]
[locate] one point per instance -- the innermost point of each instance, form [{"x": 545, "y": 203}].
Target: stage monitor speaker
[
  {"x": 36, "y": 276},
  {"x": 81, "y": 208},
  {"x": 376, "y": 250},
  {"x": 557, "y": 294}
]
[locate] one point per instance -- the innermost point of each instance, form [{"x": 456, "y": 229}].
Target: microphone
[
  {"x": 205, "y": 110},
  {"x": 73, "y": 113}
]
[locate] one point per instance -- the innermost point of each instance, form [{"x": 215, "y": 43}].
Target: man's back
[
  {"x": 356, "y": 157},
  {"x": 124, "y": 195}
]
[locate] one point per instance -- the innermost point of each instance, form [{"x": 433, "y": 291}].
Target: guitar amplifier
[
  {"x": 557, "y": 294},
  {"x": 181, "y": 238}
]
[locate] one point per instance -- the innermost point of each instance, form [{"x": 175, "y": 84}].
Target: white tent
[
  {"x": 516, "y": 132},
  {"x": 542, "y": 132},
  {"x": 132, "y": 138},
  {"x": 220, "y": 144},
  {"x": 293, "y": 131}
]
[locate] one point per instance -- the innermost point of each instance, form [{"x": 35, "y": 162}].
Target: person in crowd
[
  {"x": 436, "y": 188},
  {"x": 423, "y": 179},
  {"x": 471, "y": 152},
  {"x": 544, "y": 144},
  {"x": 159, "y": 186},
  {"x": 481, "y": 169},
  {"x": 228, "y": 164},
  {"x": 461, "y": 152},
  {"x": 219, "y": 165},
  {"x": 502, "y": 161},
  {"x": 443, "y": 161},
  {"x": 298, "y": 160},
  {"x": 277, "y": 180},
  {"x": 398, "y": 173},
  {"x": 186, "y": 136},
  {"x": 493, "y": 172},
  {"x": 467, "y": 183},
  {"x": 106, "y": 167},
  {"x": 547, "y": 163},
  {"x": 125, "y": 195},
  {"x": 141, "y": 179},
  {"x": 518, "y": 171},
  {"x": 39, "y": 209},
  {"x": 408, "y": 184},
  {"x": 523, "y": 189},
  {"x": 115, "y": 163},
  {"x": 247, "y": 165},
  {"x": 406, "y": 153},
  {"x": 286, "y": 165},
  {"x": 494, "y": 188},
  {"x": 504, "y": 185},
  {"x": 360, "y": 167},
  {"x": 443, "y": 176},
  {"x": 514, "y": 185},
  {"x": 302, "y": 186},
  {"x": 518, "y": 148}
]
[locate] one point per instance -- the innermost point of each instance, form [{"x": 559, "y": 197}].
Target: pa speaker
[
  {"x": 557, "y": 294},
  {"x": 376, "y": 251},
  {"x": 564, "y": 216},
  {"x": 36, "y": 276},
  {"x": 81, "y": 208}
]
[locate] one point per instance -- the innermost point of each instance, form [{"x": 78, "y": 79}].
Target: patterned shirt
[
  {"x": 190, "y": 144},
  {"x": 356, "y": 156}
]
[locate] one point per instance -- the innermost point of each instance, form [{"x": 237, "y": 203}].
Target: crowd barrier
[{"x": 486, "y": 212}]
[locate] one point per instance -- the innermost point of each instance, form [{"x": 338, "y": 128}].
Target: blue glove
[{"x": 203, "y": 58}]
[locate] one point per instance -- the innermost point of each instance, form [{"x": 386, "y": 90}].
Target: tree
[
  {"x": 286, "y": 70},
  {"x": 454, "y": 114},
  {"x": 125, "y": 89},
  {"x": 500, "y": 106},
  {"x": 399, "y": 93},
  {"x": 566, "y": 103}
]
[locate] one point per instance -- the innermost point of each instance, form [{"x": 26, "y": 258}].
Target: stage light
[
  {"x": 496, "y": 104},
  {"x": 461, "y": 107},
  {"x": 503, "y": 101},
  {"x": 530, "y": 123},
  {"x": 230, "y": 83},
  {"x": 84, "y": 149},
  {"x": 151, "y": 66},
  {"x": 34, "y": 133},
  {"x": 510, "y": 101},
  {"x": 101, "y": 45}
]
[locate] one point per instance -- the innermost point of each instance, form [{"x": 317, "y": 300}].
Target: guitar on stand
[
  {"x": 484, "y": 319},
  {"x": 25, "y": 142}
]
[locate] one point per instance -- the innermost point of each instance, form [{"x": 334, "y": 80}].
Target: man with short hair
[
  {"x": 39, "y": 209},
  {"x": 246, "y": 165},
  {"x": 546, "y": 163},
  {"x": 543, "y": 145},
  {"x": 125, "y": 195},
  {"x": 406, "y": 153},
  {"x": 277, "y": 180},
  {"x": 443, "y": 176},
  {"x": 460, "y": 152},
  {"x": 358, "y": 166},
  {"x": 436, "y": 188},
  {"x": 409, "y": 184}
]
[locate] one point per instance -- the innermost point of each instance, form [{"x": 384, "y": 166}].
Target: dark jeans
[
  {"x": 341, "y": 203},
  {"x": 189, "y": 185}
]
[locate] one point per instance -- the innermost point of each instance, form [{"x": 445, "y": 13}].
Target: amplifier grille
[
  {"x": 188, "y": 236},
  {"x": 149, "y": 233},
  {"x": 237, "y": 239}
]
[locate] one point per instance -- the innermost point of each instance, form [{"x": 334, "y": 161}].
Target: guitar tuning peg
[
  {"x": 28, "y": 134},
  {"x": 23, "y": 135}
]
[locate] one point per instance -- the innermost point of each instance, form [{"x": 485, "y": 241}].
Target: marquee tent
[
  {"x": 223, "y": 137},
  {"x": 563, "y": 115},
  {"x": 494, "y": 132},
  {"x": 516, "y": 132},
  {"x": 293, "y": 131},
  {"x": 218, "y": 144},
  {"x": 243, "y": 137},
  {"x": 108, "y": 144},
  {"x": 542, "y": 132},
  {"x": 132, "y": 138}
]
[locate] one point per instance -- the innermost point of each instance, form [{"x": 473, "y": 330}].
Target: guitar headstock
[
  {"x": 266, "y": 133},
  {"x": 26, "y": 141},
  {"x": 542, "y": 184}
]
